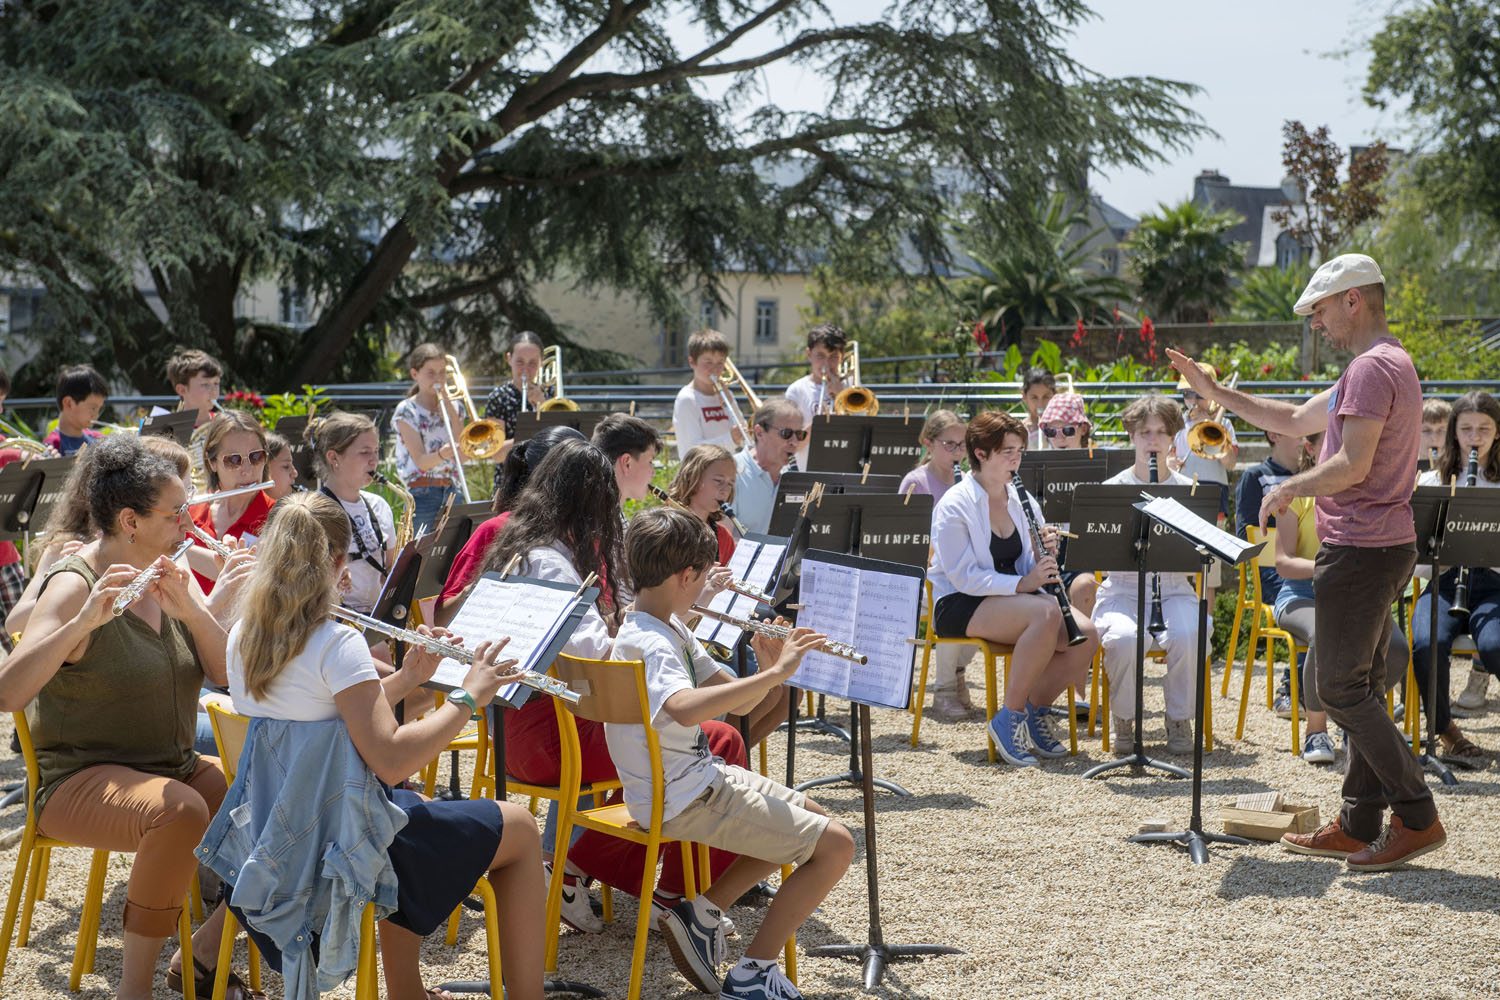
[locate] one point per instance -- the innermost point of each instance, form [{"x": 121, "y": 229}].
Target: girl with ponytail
[{"x": 289, "y": 659}]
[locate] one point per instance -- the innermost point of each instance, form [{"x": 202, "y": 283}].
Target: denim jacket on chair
[{"x": 302, "y": 838}]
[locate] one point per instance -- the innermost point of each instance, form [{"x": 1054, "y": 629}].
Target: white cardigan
[{"x": 961, "y": 532}]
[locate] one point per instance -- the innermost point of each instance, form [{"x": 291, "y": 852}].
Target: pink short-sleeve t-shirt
[{"x": 1380, "y": 384}]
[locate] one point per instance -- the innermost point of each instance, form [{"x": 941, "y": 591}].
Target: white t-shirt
[
  {"x": 674, "y": 661},
  {"x": 367, "y": 579},
  {"x": 699, "y": 418},
  {"x": 429, "y": 427},
  {"x": 554, "y": 564},
  {"x": 336, "y": 657},
  {"x": 1206, "y": 469},
  {"x": 1120, "y": 586},
  {"x": 804, "y": 392}
]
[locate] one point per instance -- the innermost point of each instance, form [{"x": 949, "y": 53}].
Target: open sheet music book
[
  {"x": 756, "y": 561},
  {"x": 538, "y": 615},
  {"x": 873, "y": 606},
  {"x": 1219, "y": 543}
]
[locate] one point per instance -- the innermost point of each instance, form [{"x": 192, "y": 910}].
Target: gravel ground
[{"x": 1027, "y": 871}]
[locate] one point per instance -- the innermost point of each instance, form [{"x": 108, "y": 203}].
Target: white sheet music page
[
  {"x": 530, "y": 615},
  {"x": 874, "y": 612},
  {"x": 1218, "y": 541},
  {"x": 754, "y": 563}
]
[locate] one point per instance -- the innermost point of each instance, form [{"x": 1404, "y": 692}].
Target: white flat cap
[{"x": 1346, "y": 271}]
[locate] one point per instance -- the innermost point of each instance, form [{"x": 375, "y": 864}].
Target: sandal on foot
[
  {"x": 203, "y": 984},
  {"x": 1459, "y": 749}
]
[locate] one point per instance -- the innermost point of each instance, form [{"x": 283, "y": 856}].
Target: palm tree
[
  {"x": 1267, "y": 294},
  {"x": 1184, "y": 261},
  {"x": 1017, "y": 286}
]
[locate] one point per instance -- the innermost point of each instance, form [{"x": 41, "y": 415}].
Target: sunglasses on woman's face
[
  {"x": 1066, "y": 432},
  {"x": 235, "y": 461},
  {"x": 787, "y": 433}
]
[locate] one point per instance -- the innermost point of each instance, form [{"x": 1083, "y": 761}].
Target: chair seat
[
  {"x": 613, "y": 819},
  {"x": 553, "y": 792}
]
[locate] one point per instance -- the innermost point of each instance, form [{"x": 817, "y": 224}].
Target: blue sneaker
[
  {"x": 694, "y": 937},
  {"x": 765, "y": 984},
  {"x": 1039, "y": 732},
  {"x": 1008, "y": 732}
]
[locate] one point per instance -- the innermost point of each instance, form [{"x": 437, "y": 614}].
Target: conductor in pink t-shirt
[{"x": 1362, "y": 484}]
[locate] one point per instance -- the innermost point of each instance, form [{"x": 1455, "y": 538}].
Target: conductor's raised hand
[
  {"x": 489, "y": 673},
  {"x": 1043, "y": 573},
  {"x": 1188, "y": 368}
]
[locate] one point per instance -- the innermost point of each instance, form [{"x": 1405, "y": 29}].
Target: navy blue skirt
[{"x": 444, "y": 849}]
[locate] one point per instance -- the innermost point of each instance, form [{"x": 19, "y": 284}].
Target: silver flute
[
  {"x": 133, "y": 590},
  {"x": 222, "y": 550},
  {"x": 530, "y": 678},
  {"x": 238, "y": 491},
  {"x": 749, "y": 590},
  {"x": 839, "y": 649}
]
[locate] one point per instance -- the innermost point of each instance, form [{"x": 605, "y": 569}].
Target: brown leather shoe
[
  {"x": 1328, "y": 841},
  {"x": 1397, "y": 845}
]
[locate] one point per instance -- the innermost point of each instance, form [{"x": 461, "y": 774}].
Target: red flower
[
  {"x": 1266, "y": 368},
  {"x": 1078, "y": 333},
  {"x": 980, "y": 336},
  {"x": 1306, "y": 378}
]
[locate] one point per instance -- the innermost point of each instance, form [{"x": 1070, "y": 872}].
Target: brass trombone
[
  {"x": 552, "y": 371},
  {"x": 854, "y": 398},
  {"x": 480, "y": 438},
  {"x": 728, "y": 379},
  {"x": 1210, "y": 438}
]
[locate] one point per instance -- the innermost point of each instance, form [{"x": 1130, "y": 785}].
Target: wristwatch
[{"x": 463, "y": 697}]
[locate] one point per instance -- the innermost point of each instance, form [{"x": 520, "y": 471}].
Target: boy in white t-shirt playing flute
[{"x": 705, "y": 800}]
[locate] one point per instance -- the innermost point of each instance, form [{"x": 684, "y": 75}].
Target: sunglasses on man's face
[
  {"x": 235, "y": 461},
  {"x": 1066, "y": 432},
  {"x": 787, "y": 433}
]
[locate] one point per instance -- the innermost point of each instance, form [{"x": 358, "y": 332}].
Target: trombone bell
[
  {"x": 481, "y": 439},
  {"x": 856, "y": 400},
  {"x": 1209, "y": 440}
]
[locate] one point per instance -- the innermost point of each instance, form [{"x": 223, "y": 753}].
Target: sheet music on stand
[
  {"x": 872, "y": 605},
  {"x": 538, "y": 615},
  {"x": 1220, "y": 543},
  {"x": 756, "y": 561}
]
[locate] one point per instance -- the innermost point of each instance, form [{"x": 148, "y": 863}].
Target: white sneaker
[
  {"x": 1318, "y": 748},
  {"x": 946, "y": 706},
  {"x": 1475, "y": 690},
  {"x": 1121, "y": 736},
  {"x": 1179, "y": 736},
  {"x": 577, "y": 910}
]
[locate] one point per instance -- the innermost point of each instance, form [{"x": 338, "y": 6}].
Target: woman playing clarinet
[{"x": 987, "y": 581}]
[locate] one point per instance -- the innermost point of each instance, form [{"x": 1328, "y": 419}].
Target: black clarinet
[
  {"x": 1158, "y": 624},
  {"x": 958, "y": 472},
  {"x": 1057, "y": 590},
  {"x": 1460, "y": 609}
]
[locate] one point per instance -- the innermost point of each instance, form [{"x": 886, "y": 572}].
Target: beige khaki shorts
[{"x": 750, "y": 815}]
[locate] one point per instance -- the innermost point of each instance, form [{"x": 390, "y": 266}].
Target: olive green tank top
[{"x": 132, "y": 699}]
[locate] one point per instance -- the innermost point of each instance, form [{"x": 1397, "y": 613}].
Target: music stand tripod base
[
  {"x": 1138, "y": 760},
  {"x": 1196, "y": 841},
  {"x": 855, "y": 774},
  {"x": 875, "y": 958}
]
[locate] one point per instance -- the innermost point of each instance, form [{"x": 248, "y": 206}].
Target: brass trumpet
[
  {"x": 1210, "y": 438},
  {"x": 552, "y": 371},
  {"x": 854, "y": 398}
]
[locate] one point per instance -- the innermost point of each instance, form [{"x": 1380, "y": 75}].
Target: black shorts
[{"x": 951, "y": 614}]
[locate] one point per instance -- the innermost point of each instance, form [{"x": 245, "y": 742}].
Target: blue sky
[{"x": 1258, "y": 64}]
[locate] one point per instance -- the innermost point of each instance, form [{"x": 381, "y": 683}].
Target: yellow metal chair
[
  {"x": 29, "y": 882},
  {"x": 1263, "y": 627},
  {"x": 1243, "y": 602},
  {"x": 930, "y": 641},
  {"x": 230, "y": 729},
  {"x": 615, "y": 692}
]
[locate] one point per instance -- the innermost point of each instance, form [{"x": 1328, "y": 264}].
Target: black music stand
[
  {"x": 894, "y": 529},
  {"x": 891, "y": 662},
  {"x": 533, "y": 422},
  {"x": 1114, "y": 535},
  {"x": 18, "y": 493},
  {"x": 793, "y": 488},
  {"x": 177, "y": 426},
  {"x": 865, "y": 445},
  {"x": 1455, "y": 527},
  {"x": 1051, "y": 476},
  {"x": 1211, "y": 543}
]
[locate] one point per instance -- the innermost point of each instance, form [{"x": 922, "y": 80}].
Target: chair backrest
[
  {"x": 230, "y": 730},
  {"x": 611, "y": 692},
  {"x": 1252, "y": 572}
]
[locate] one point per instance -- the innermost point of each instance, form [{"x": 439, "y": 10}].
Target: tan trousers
[{"x": 158, "y": 819}]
